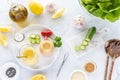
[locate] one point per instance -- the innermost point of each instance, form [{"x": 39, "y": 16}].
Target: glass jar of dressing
[{"x": 18, "y": 13}]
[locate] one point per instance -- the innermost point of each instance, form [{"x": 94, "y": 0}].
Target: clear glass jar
[{"x": 18, "y": 13}]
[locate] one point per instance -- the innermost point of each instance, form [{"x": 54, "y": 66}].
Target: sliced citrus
[
  {"x": 39, "y": 77},
  {"x": 58, "y": 14},
  {"x": 35, "y": 7},
  {"x": 4, "y": 29},
  {"x": 3, "y": 40}
]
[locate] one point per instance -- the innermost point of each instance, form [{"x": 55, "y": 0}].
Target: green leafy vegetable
[
  {"x": 113, "y": 16},
  {"x": 57, "y": 41},
  {"x": 105, "y": 9},
  {"x": 58, "y": 38}
]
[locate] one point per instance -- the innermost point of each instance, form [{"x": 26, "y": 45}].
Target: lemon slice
[
  {"x": 3, "y": 40},
  {"x": 39, "y": 77},
  {"x": 58, "y": 14},
  {"x": 4, "y": 29},
  {"x": 35, "y": 7}
]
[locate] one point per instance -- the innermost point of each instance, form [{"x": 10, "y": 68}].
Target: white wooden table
[{"x": 61, "y": 26}]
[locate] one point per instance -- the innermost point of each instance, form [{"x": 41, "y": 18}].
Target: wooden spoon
[
  {"x": 107, "y": 48},
  {"x": 107, "y": 61},
  {"x": 114, "y": 53}
]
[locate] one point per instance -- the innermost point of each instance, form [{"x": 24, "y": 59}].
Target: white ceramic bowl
[{"x": 6, "y": 66}]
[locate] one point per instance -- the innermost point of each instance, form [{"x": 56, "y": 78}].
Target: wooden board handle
[{"x": 106, "y": 69}]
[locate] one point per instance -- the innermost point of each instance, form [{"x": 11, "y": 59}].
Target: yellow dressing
[
  {"x": 30, "y": 56},
  {"x": 28, "y": 52}
]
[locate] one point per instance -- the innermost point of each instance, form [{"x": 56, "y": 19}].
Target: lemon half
[
  {"x": 35, "y": 7},
  {"x": 39, "y": 77}
]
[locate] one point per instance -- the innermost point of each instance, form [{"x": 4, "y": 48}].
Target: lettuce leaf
[
  {"x": 89, "y": 1},
  {"x": 113, "y": 16},
  {"x": 104, "y": 1},
  {"x": 97, "y": 12},
  {"x": 105, "y": 9}
]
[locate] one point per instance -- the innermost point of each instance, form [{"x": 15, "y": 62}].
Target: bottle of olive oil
[{"x": 18, "y": 13}]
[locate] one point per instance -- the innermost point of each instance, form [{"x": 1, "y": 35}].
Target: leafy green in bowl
[{"x": 105, "y": 9}]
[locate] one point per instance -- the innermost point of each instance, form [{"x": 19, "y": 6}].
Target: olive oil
[{"x": 18, "y": 13}]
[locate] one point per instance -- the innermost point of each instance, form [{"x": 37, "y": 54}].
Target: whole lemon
[{"x": 36, "y": 7}]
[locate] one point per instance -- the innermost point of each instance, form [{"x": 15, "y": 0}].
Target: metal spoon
[{"x": 64, "y": 60}]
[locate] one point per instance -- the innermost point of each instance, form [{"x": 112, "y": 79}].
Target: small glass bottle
[{"x": 18, "y": 13}]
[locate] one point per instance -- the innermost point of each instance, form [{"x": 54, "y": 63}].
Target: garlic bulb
[
  {"x": 79, "y": 21},
  {"x": 51, "y": 7}
]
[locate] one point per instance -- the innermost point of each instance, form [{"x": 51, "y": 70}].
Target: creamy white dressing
[{"x": 78, "y": 76}]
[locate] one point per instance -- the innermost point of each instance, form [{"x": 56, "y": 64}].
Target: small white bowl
[
  {"x": 5, "y": 67},
  {"x": 90, "y": 61},
  {"x": 78, "y": 71}
]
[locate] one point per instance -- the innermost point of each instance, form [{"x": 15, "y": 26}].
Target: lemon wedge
[
  {"x": 35, "y": 7},
  {"x": 3, "y": 40},
  {"x": 58, "y": 14},
  {"x": 39, "y": 77},
  {"x": 4, "y": 29}
]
